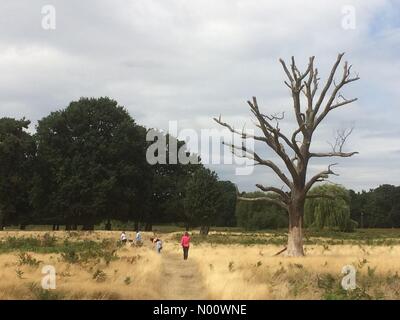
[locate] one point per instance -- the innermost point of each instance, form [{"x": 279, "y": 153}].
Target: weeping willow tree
[{"x": 330, "y": 208}]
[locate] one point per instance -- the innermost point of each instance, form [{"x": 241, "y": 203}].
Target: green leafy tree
[
  {"x": 91, "y": 164},
  {"x": 202, "y": 199},
  {"x": 379, "y": 206},
  {"x": 356, "y": 206},
  {"x": 328, "y": 206},
  {"x": 227, "y": 205},
  {"x": 17, "y": 151},
  {"x": 168, "y": 186},
  {"x": 395, "y": 209},
  {"x": 257, "y": 215}
]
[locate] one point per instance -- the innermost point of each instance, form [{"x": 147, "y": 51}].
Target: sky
[{"x": 190, "y": 61}]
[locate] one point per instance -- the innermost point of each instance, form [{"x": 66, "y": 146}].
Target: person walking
[
  {"x": 123, "y": 237},
  {"x": 185, "y": 242},
  {"x": 158, "y": 244},
  {"x": 138, "y": 239}
]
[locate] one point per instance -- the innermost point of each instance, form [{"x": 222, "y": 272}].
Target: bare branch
[
  {"x": 315, "y": 83},
  {"x": 333, "y": 154},
  {"x": 254, "y": 156},
  {"x": 242, "y": 134},
  {"x": 274, "y": 201},
  {"x": 280, "y": 192},
  {"x": 267, "y": 199},
  {"x": 329, "y": 105},
  {"x": 286, "y": 70},
  {"x": 275, "y": 116},
  {"x": 328, "y": 84},
  {"x": 296, "y": 87},
  {"x": 273, "y": 134},
  {"x": 337, "y": 147},
  {"x": 319, "y": 177},
  {"x": 337, "y": 105}
]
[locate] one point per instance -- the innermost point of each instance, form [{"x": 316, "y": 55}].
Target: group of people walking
[
  {"x": 138, "y": 238},
  {"x": 157, "y": 242}
]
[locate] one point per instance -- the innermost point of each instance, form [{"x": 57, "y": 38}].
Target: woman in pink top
[{"x": 185, "y": 242}]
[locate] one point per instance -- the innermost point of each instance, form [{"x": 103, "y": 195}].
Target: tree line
[
  {"x": 86, "y": 164},
  {"x": 376, "y": 208},
  {"x": 335, "y": 207}
]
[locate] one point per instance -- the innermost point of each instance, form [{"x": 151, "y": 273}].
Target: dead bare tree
[{"x": 294, "y": 150}]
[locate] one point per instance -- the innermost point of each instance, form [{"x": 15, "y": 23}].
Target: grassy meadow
[{"x": 227, "y": 264}]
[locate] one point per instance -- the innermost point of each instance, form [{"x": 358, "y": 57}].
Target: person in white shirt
[{"x": 123, "y": 237}]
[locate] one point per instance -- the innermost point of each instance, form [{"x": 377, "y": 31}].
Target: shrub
[
  {"x": 27, "y": 259},
  {"x": 70, "y": 256},
  {"x": 42, "y": 294},
  {"x": 127, "y": 281},
  {"x": 48, "y": 240},
  {"x": 99, "y": 276}
]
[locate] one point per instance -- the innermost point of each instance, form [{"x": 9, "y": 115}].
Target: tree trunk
[
  {"x": 295, "y": 235},
  {"x": 148, "y": 226},
  {"x": 57, "y": 227},
  {"x": 108, "y": 225},
  {"x": 67, "y": 227},
  {"x": 88, "y": 227},
  {"x": 136, "y": 225},
  {"x": 22, "y": 227},
  {"x": 74, "y": 227},
  {"x": 54, "y": 227},
  {"x": 204, "y": 230}
]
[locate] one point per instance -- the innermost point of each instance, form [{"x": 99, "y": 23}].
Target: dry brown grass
[
  {"x": 212, "y": 272},
  {"x": 252, "y": 272},
  {"x": 132, "y": 276}
]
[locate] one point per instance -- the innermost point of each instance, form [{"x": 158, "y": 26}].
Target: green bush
[
  {"x": 99, "y": 276},
  {"x": 27, "y": 259},
  {"x": 259, "y": 215},
  {"x": 331, "y": 209}
]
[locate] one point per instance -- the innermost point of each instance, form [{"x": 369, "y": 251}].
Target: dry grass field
[{"x": 93, "y": 265}]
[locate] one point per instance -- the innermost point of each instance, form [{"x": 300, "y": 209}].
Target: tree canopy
[
  {"x": 86, "y": 164},
  {"x": 328, "y": 206},
  {"x": 92, "y": 163},
  {"x": 17, "y": 151},
  {"x": 256, "y": 215}
]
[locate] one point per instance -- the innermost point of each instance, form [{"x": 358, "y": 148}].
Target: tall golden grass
[
  {"x": 212, "y": 272},
  {"x": 253, "y": 272},
  {"x": 132, "y": 276}
]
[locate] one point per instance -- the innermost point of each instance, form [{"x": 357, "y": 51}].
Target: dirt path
[{"x": 181, "y": 280}]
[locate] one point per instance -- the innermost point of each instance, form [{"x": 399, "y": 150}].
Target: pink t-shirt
[{"x": 185, "y": 241}]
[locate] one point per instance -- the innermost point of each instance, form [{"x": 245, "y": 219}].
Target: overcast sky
[{"x": 187, "y": 61}]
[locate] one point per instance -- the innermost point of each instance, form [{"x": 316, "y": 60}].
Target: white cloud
[{"x": 192, "y": 60}]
